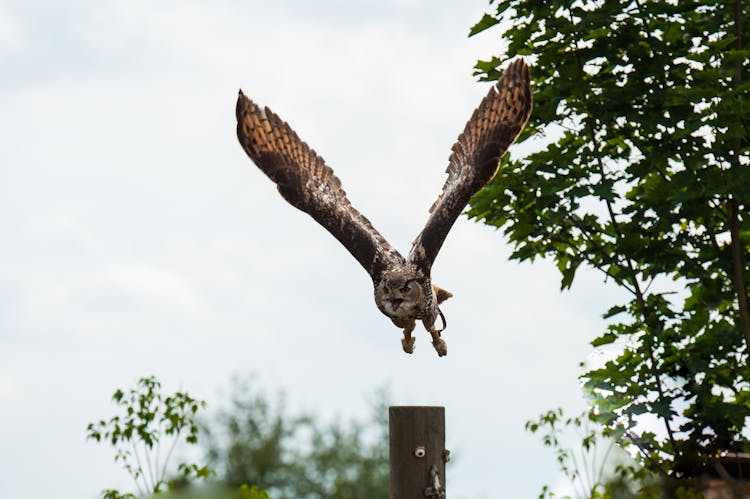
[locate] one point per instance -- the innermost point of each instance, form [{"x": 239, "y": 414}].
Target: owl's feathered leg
[
  {"x": 441, "y": 347},
  {"x": 407, "y": 342}
]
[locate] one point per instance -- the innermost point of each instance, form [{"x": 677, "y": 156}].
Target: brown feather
[
  {"x": 306, "y": 182},
  {"x": 441, "y": 294},
  {"x": 492, "y": 128}
]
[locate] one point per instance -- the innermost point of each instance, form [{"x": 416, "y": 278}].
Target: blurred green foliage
[
  {"x": 215, "y": 492},
  {"x": 256, "y": 440},
  {"x": 595, "y": 466}
]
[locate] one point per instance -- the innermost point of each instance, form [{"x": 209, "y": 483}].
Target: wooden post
[{"x": 418, "y": 455}]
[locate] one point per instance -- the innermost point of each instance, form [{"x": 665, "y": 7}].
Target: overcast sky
[{"x": 137, "y": 238}]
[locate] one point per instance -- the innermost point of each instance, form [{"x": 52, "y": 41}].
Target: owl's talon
[
  {"x": 441, "y": 347},
  {"x": 408, "y": 344}
]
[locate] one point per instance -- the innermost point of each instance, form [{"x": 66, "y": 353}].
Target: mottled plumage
[{"x": 403, "y": 287}]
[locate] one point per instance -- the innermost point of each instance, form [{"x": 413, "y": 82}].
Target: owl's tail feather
[{"x": 441, "y": 294}]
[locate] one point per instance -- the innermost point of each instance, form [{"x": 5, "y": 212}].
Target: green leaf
[
  {"x": 605, "y": 339},
  {"x": 486, "y": 22}
]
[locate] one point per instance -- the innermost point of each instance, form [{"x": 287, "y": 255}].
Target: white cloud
[
  {"x": 7, "y": 388},
  {"x": 153, "y": 284},
  {"x": 12, "y": 39}
]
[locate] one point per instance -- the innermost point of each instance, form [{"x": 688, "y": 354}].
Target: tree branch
[{"x": 139, "y": 472}]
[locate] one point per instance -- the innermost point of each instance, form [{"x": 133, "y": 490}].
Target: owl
[{"x": 403, "y": 286}]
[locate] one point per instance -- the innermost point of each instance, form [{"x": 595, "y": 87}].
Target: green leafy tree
[
  {"x": 145, "y": 433},
  {"x": 640, "y": 171},
  {"x": 256, "y": 441}
]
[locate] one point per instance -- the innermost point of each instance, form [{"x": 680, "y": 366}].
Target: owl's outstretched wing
[
  {"x": 306, "y": 182},
  {"x": 489, "y": 132}
]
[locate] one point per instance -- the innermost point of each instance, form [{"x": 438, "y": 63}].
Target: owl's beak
[{"x": 396, "y": 303}]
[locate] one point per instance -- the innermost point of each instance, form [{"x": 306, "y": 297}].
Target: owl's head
[{"x": 398, "y": 294}]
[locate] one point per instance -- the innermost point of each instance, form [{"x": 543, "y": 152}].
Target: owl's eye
[{"x": 405, "y": 289}]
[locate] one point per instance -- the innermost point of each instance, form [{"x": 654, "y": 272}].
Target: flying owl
[{"x": 403, "y": 286}]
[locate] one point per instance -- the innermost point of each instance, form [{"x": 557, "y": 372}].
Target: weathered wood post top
[{"x": 418, "y": 454}]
